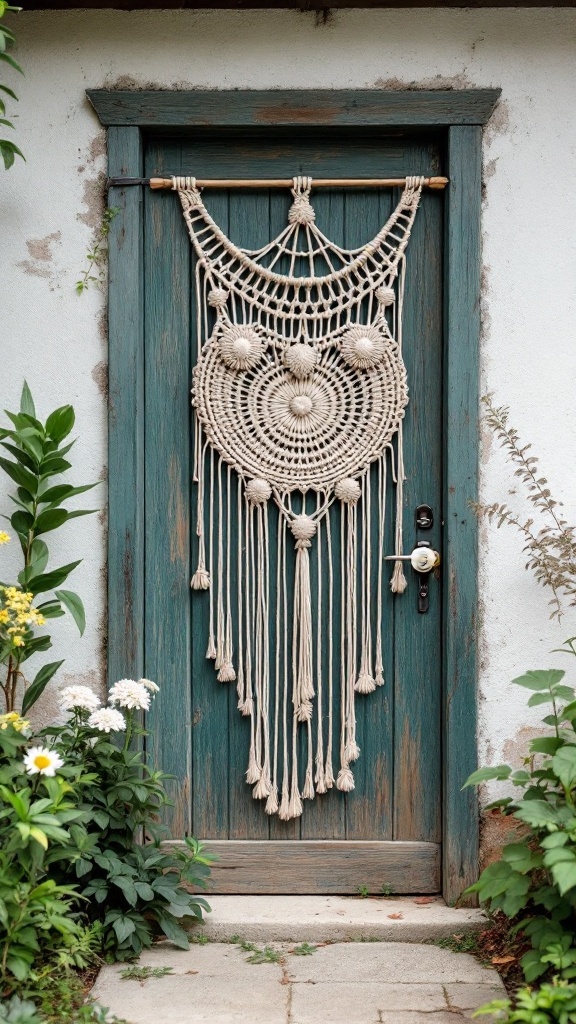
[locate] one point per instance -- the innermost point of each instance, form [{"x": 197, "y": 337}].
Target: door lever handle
[{"x": 423, "y": 559}]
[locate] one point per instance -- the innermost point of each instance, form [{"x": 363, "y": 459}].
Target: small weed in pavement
[
  {"x": 260, "y": 956},
  {"x": 467, "y": 942},
  {"x": 363, "y": 891},
  {"x": 136, "y": 973},
  {"x": 304, "y": 949},
  {"x": 199, "y": 940}
]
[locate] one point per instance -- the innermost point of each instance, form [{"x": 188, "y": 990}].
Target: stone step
[{"x": 336, "y": 918}]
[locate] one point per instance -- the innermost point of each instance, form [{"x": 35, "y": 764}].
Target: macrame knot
[
  {"x": 200, "y": 579},
  {"x": 362, "y": 347},
  {"x": 303, "y": 529},
  {"x": 348, "y": 490},
  {"x": 258, "y": 491},
  {"x": 300, "y": 360},
  {"x": 385, "y": 296},
  {"x": 301, "y": 211},
  {"x": 240, "y": 347},
  {"x": 217, "y": 297},
  {"x": 226, "y": 673},
  {"x": 188, "y": 185},
  {"x": 345, "y": 781}
]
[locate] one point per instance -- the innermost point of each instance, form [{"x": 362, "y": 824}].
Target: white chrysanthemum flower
[
  {"x": 78, "y": 697},
  {"x": 42, "y": 761},
  {"x": 107, "y": 720},
  {"x": 130, "y": 694},
  {"x": 153, "y": 687}
]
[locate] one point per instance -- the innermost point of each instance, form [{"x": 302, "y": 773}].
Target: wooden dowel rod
[{"x": 436, "y": 183}]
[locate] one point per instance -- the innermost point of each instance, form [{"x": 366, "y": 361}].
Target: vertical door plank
[
  {"x": 166, "y": 495},
  {"x": 418, "y": 646},
  {"x": 126, "y": 412},
  {"x": 462, "y": 331},
  {"x": 248, "y": 227},
  {"x": 213, "y": 703},
  {"x": 325, "y": 816}
]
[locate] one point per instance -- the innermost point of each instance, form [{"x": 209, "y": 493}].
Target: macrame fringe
[{"x": 276, "y": 640}]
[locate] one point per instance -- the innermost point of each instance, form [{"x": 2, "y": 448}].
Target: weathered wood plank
[
  {"x": 418, "y": 659},
  {"x": 329, "y": 867},
  {"x": 462, "y": 332},
  {"x": 126, "y": 413},
  {"x": 335, "y": 108},
  {"x": 166, "y": 496},
  {"x": 316, "y": 5}
]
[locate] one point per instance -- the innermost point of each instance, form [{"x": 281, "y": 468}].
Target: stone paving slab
[
  {"x": 355, "y": 983},
  {"x": 317, "y": 918}
]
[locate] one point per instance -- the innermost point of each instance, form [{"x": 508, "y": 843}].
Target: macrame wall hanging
[{"x": 299, "y": 389}]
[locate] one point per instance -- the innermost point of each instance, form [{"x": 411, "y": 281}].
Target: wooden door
[{"x": 386, "y": 833}]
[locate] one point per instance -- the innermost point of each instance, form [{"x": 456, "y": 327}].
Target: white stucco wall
[{"x": 50, "y": 206}]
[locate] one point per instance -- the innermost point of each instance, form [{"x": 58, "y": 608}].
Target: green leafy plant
[
  {"x": 363, "y": 891},
  {"x": 134, "y": 889},
  {"x": 553, "y": 1003},
  {"x": 96, "y": 257},
  {"x": 38, "y": 458},
  {"x": 550, "y": 550},
  {"x": 386, "y": 889},
  {"x": 8, "y": 149},
  {"x": 38, "y": 917},
  {"x": 535, "y": 878},
  {"x": 18, "y": 1011},
  {"x": 304, "y": 949}
]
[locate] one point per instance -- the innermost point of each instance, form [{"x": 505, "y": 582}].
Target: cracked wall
[{"x": 51, "y": 205}]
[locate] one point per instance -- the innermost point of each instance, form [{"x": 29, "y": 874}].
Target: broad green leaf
[
  {"x": 21, "y": 476},
  {"x": 564, "y": 764},
  {"x": 53, "y": 465},
  {"x": 501, "y": 771},
  {"x": 60, "y": 423},
  {"x": 561, "y": 863},
  {"x": 26, "y": 401},
  {"x": 521, "y": 857},
  {"x": 545, "y": 745},
  {"x": 39, "y": 643},
  {"x": 539, "y": 698},
  {"x": 9, "y": 92},
  {"x": 540, "y": 679},
  {"x": 554, "y": 840},
  {"x": 10, "y": 60},
  {"x": 537, "y": 813},
  {"x": 173, "y": 931},
  {"x": 563, "y": 693},
  {"x": 60, "y": 492},
  {"x": 40, "y": 836},
  {"x": 74, "y": 605},
  {"x": 51, "y": 609},
  {"x": 123, "y": 926},
  {"x": 51, "y": 519},
  {"x": 127, "y": 886},
  {"x": 37, "y": 687},
  {"x": 21, "y": 455},
  {"x": 50, "y": 580}
]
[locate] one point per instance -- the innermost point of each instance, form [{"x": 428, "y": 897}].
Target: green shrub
[
  {"x": 535, "y": 879},
  {"x": 553, "y": 1003}
]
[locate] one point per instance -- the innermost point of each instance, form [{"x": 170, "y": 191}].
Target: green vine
[
  {"x": 8, "y": 149},
  {"x": 97, "y": 256}
]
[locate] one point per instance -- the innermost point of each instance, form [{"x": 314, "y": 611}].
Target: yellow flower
[
  {"x": 4, "y": 616},
  {"x": 14, "y": 719},
  {"x": 4, "y": 537},
  {"x": 18, "y": 641}
]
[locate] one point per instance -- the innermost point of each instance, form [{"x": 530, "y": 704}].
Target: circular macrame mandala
[{"x": 299, "y": 387}]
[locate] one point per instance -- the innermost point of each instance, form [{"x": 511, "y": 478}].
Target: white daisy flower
[
  {"x": 153, "y": 687},
  {"x": 130, "y": 694},
  {"x": 81, "y": 697},
  {"x": 107, "y": 720},
  {"x": 42, "y": 761}
]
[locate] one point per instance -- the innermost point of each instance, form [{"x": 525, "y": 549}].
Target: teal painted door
[{"x": 387, "y": 831}]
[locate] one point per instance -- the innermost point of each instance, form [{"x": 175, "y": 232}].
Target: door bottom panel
[{"x": 326, "y": 867}]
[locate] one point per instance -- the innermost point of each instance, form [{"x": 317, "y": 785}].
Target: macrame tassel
[
  {"x": 365, "y": 682},
  {"x": 351, "y": 750},
  {"x": 262, "y": 788},
  {"x": 272, "y": 802},
  {"x": 284, "y": 809},
  {"x": 398, "y": 582},
  {"x": 345, "y": 780},
  {"x": 295, "y": 805},
  {"x": 308, "y": 791},
  {"x": 200, "y": 579},
  {"x": 254, "y": 772},
  {"x": 226, "y": 673},
  {"x": 379, "y": 664},
  {"x": 303, "y": 528}
]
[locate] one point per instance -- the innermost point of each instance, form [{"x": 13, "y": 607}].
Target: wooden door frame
[{"x": 129, "y": 116}]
